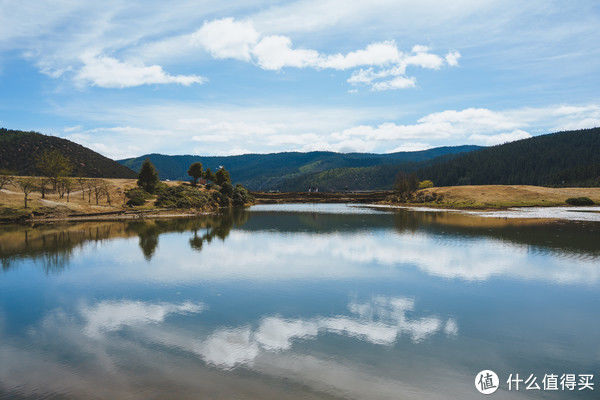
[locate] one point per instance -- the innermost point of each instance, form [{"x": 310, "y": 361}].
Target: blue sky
[{"x": 214, "y": 77}]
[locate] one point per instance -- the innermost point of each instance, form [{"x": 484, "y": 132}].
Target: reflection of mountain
[
  {"x": 573, "y": 238},
  {"x": 52, "y": 245}
]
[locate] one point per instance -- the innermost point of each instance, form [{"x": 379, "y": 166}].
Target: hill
[
  {"x": 300, "y": 171},
  {"x": 18, "y": 152},
  {"x": 569, "y": 158}
]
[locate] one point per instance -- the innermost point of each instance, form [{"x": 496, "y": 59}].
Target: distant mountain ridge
[
  {"x": 296, "y": 171},
  {"x": 19, "y": 150},
  {"x": 569, "y": 158}
]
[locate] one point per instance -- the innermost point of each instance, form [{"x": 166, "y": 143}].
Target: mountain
[
  {"x": 19, "y": 150},
  {"x": 569, "y": 158},
  {"x": 300, "y": 171}
]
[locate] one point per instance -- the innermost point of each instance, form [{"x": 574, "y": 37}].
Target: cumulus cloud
[
  {"x": 379, "y": 321},
  {"x": 218, "y": 130},
  {"x": 107, "y": 316},
  {"x": 275, "y": 52},
  {"x": 227, "y": 38},
  {"x": 108, "y": 72},
  {"x": 235, "y": 39},
  {"x": 400, "y": 82},
  {"x": 500, "y": 138},
  {"x": 452, "y": 58}
]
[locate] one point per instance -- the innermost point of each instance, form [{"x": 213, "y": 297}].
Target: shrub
[
  {"x": 425, "y": 184},
  {"x": 183, "y": 197},
  {"x": 227, "y": 189},
  {"x": 241, "y": 196},
  {"x": 580, "y": 201},
  {"x": 136, "y": 196}
]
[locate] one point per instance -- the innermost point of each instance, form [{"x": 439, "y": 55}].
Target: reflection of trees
[
  {"x": 218, "y": 228},
  {"x": 205, "y": 229},
  {"x": 52, "y": 245}
]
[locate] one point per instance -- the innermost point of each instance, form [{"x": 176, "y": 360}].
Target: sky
[{"x": 129, "y": 78}]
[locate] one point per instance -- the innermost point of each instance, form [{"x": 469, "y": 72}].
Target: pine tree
[{"x": 148, "y": 177}]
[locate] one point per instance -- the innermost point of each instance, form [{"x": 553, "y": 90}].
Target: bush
[
  {"x": 183, "y": 197},
  {"x": 425, "y": 184},
  {"x": 580, "y": 201},
  {"x": 227, "y": 189},
  {"x": 241, "y": 196},
  {"x": 137, "y": 197}
]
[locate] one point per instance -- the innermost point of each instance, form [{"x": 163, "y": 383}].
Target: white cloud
[
  {"x": 275, "y": 52},
  {"x": 400, "y": 82},
  {"x": 499, "y": 138},
  {"x": 452, "y": 58},
  {"x": 109, "y": 72},
  {"x": 380, "y": 53},
  {"x": 217, "y": 130},
  {"x": 107, "y": 316},
  {"x": 379, "y": 321},
  {"x": 227, "y": 38},
  {"x": 230, "y": 38},
  {"x": 411, "y": 146}
]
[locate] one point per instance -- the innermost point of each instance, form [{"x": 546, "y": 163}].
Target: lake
[{"x": 298, "y": 302}]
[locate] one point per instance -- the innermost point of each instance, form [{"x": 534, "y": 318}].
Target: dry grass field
[
  {"x": 12, "y": 202},
  {"x": 502, "y": 196}
]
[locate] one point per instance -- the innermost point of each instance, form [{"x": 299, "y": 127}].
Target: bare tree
[
  {"x": 68, "y": 186},
  {"x": 105, "y": 186},
  {"x": 5, "y": 179},
  {"x": 64, "y": 186},
  {"x": 27, "y": 186},
  {"x": 89, "y": 184},
  {"x": 98, "y": 188},
  {"x": 82, "y": 184},
  {"x": 60, "y": 187},
  {"x": 42, "y": 186},
  {"x": 53, "y": 164}
]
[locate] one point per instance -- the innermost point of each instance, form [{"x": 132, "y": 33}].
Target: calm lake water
[{"x": 297, "y": 302}]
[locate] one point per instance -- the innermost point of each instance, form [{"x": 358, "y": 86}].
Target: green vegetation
[
  {"x": 137, "y": 197},
  {"x": 425, "y": 184},
  {"x": 294, "y": 171},
  {"x": 184, "y": 196},
  {"x": 195, "y": 171},
  {"x": 580, "y": 201},
  {"x": 561, "y": 159},
  {"x": 222, "y": 177},
  {"x": 209, "y": 176},
  {"x": 148, "y": 177},
  {"x": 20, "y": 150},
  {"x": 241, "y": 197}
]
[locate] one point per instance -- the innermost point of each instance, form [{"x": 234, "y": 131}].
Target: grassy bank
[
  {"x": 498, "y": 196},
  {"x": 113, "y": 202}
]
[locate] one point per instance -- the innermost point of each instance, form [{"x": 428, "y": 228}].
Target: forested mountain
[
  {"x": 570, "y": 158},
  {"x": 19, "y": 151},
  {"x": 301, "y": 171}
]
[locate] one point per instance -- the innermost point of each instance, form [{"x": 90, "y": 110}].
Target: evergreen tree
[
  {"x": 148, "y": 177},
  {"x": 209, "y": 176},
  {"x": 195, "y": 171},
  {"x": 222, "y": 176}
]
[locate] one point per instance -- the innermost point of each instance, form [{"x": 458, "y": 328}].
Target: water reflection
[
  {"x": 110, "y": 337},
  {"x": 52, "y": 245},
  {"x": 290, "y": 305}
]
